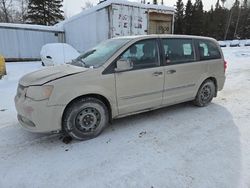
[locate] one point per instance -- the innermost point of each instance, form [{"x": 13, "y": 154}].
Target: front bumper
[{"x": 37, "y": 116}]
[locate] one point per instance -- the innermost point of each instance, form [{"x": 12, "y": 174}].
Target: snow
[
  {"x": 30, "y": 27},
  {"x": 178, "y": 146},
  {"x": 247, "y": 42},
  {"x": 59, "y": 53},
  {"x": 235, "y": 43}
]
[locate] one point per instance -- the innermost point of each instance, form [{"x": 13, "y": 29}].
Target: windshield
[{"x": 98, "y": 55}]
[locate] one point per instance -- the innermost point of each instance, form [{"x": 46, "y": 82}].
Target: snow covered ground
[{"x": 178, "y": 146}]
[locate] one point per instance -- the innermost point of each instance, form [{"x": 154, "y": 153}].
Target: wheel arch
[{"x": 92, "y": 95}]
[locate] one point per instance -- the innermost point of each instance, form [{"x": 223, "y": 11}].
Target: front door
[{"x": 142, "y": 87}]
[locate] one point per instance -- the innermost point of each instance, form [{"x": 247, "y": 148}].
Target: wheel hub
[
  {"x": 88, "y": 119},
  {"x": 205, "y": 93}
]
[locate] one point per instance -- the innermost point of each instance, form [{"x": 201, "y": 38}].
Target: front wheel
[
  {"x": 85, "y": 118},
  {"x": 205, "y": 94}
]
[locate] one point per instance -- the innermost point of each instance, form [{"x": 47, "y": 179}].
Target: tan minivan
[{"x": 117, "y": 78}]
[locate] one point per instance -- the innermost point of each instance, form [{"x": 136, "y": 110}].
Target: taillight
[{"x": 225, "y": 66}]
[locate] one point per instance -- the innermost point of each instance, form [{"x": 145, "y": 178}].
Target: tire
[
  {"x": 85, "y": 118},
  {"x": 205, "y": 94}
]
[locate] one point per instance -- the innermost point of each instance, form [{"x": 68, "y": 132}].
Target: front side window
[
  {"x": 208, "y": 50},
  {"x": 178, "y": 51},
  {"x": 143, "y": 54}
]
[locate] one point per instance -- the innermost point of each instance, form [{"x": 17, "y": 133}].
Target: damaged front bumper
[{"x": 38, "y": 116}]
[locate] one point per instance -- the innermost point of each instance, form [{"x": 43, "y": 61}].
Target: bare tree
[
  {"x": 13, "y": 11},
  {"x": 5, "y": 6},
  {"x": 23, "y": 10}
]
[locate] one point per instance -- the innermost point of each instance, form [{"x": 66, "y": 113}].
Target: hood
[{"x": 46, "y": 75}]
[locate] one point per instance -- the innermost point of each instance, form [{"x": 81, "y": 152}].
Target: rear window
[{"x": 208, "y": 50}]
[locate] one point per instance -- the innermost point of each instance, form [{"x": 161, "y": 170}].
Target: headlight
[{"x": 39, "y": 93}]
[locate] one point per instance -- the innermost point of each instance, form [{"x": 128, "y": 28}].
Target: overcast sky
[{"x": 72, "y": 7}]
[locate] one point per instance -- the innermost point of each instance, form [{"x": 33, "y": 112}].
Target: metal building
[{"x": 24, "y": 42}]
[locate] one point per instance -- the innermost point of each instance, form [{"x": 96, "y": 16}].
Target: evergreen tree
[
  {"x": 188, "y": 17},
  {"x": 197, "y": 18},
  {"x": 245, "y": 4},
  {"x": 45, "y": 12},
  {"x": 219, "y": 22},
  {"x": 244, "y": 21},
  {"x": 209, "y": 29},
  {"x": 223, "y": 3},
  {"x": 217, "y": 5},
  {"x": 233, "y": 21},
  {"x": 179, "y": 17}
]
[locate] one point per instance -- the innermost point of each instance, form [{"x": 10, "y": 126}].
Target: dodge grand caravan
[{"x": 117, "y": 78}]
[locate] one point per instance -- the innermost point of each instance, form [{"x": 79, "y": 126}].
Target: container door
[
  {"x": 139, "y": 21},
  {"x": 128, "y": 20}
]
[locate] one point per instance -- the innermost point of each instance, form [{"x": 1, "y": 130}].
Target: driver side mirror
[{"x": 123, "y": 65}]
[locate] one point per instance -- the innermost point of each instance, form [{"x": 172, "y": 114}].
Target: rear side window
[
  {"x": 208, "y": 50},
  {"x": 178, "y": 51}
]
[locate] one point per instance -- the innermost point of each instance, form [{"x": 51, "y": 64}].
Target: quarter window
[
  {"x": 208, "y": 50},
  {"x": 143, "y": 54},
  {"x": 178, "y": 51}
]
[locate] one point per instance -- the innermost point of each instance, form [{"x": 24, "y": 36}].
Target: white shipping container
[{"x": 114, "y": 18}]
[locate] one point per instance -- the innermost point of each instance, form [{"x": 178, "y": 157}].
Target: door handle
[
  {"x": 157, "y": 73},
  {"x": 171, "y": 71}
]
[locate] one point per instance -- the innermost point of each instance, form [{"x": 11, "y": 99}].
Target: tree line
[
  {"x": 219, "y": 22},
  {"x": 42, "y": 12}
]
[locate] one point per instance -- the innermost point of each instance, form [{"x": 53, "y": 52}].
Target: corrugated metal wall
[
  {"x": 88, "y": 30},
  {"x": 18, "y": 43}
]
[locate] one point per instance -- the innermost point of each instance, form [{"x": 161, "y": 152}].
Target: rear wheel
[
  {"x": 205, "y": 94},
  {"x": 85, "y": 118}
]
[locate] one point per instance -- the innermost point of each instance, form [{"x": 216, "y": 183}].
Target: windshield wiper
[
  {"x": 82, "y": 62},
  {"x": 78, "y": 62}
]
